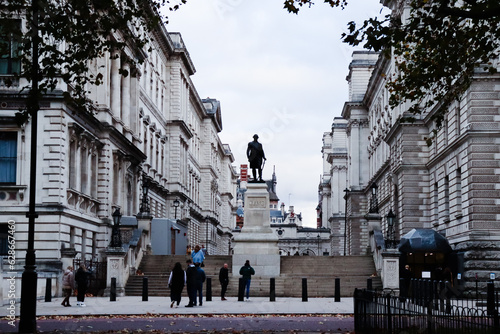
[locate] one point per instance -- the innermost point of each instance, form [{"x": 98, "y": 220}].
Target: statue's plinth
[{"x": 256, "y": 242}]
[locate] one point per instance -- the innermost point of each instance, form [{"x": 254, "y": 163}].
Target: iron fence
[
  {"x": 429, "y": 308},
  {"x": 97, "y": 281}
]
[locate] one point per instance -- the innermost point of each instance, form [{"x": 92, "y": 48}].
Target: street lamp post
[
  {"x": 374, "y": 201},
  {"x": 207, "y": 220},
  {"x": 27, "y": 320},
  {"x": 346, "y": 190},
  {"x": 116, "y": 238},
  {"x": 176, "y": 205},
  {"x": 390, "y": 243},
  {"x": 145, "y": 189},
  {"x": 319, "y": 237}
]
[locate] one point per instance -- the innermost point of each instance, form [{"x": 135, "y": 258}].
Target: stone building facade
[
  {"x": 150, "y": 127},
  {"x": 449, "y": 186}
]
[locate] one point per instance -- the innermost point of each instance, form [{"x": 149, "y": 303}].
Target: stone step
[{"x": 320, "y": 272}]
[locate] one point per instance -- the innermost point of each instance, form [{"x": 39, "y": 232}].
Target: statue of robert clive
[{"x": 256, "y": 156}]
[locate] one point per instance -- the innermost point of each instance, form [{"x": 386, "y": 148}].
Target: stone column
[
  {"x": 390, "y": 269},
  {"x": 115, "y": 87},
  {"x": 256, "y": 242},
  {"x": 116, "y": 267},
  {"x": 125, "y": 99}
]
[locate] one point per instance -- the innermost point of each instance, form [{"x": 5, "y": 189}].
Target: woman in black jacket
[
  {"x": 176, "y": 283},
  {"x": 82, "y": 281}
]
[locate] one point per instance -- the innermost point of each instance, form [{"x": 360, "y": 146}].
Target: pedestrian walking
[
  {"x": 224, "y": 280},
  {"x": 246, "y": 272},
  {"x": 200, "y": 279},
  {"x": 176, "y": 282},
  {"x": 191, "y": 273},
  {"x": 197, "y": 255},
  {"x": 68, "y": 285},
  {"x": 82, "y": 280}
]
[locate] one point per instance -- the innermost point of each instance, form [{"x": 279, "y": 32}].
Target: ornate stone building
[
  {"x": 449, "y": 187},
  {"x": 150, "y": 131}
]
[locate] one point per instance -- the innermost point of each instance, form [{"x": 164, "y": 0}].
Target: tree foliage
[
  {"x": 293, "y": 6},
  {"x": 437, "y": 50},
  {"x": 72, "y": 33}
]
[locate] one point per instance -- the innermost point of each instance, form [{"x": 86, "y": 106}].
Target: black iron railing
[{"x": 429, "y": 307}]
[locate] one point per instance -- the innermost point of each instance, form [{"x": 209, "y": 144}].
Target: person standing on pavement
[
  {"x": 247, "y": 271},
  {"x": 204, "y": 250},
  {"x": 224, "y": 280},
  {"x": 197, "y": 255},
  {"x": 176, "y": 283},
  {"x": 200, "y": 278},
  {"x": 82, "y": 281},
  {"x": 191, "y": 274},
  {"x": 68, "y": 285}
]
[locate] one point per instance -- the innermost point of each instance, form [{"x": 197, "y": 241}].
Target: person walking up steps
[
  {"x": 197, "y": 255},
  {"x": 247, "y": 271}
]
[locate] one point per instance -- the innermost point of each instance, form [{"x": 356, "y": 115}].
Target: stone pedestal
[
  {"x": 116, "y": 267},
  {"x": 390, "y": 269},
  {"x": 256, "y": 242}
]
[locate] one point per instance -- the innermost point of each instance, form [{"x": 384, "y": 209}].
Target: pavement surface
[{"x": 132, "y": 315}]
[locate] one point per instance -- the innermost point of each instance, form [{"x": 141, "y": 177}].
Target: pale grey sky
[{"x": 276, "y": 74}]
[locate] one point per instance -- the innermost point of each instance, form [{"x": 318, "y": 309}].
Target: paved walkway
[{"x": 161, "y": 305}]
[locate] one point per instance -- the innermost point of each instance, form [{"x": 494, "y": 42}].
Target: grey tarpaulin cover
[{"x": 424, "y": 240}]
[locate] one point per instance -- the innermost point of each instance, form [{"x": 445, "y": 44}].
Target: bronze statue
[{"x": 255, "y": 155}]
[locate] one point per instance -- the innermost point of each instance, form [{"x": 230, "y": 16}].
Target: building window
[
  {"x": 10, "y": 62},
  {"x": 446, "y": 199},
  {"x": 8, "y": 157},
  {"x": 459, "y": 193},
  {"x": 4, "y": 239}
]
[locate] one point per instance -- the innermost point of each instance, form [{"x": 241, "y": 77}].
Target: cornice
[{"x": 183, "y": 126}]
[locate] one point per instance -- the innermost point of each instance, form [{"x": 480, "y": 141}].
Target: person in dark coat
[
  {"x": 255, "y": 155},
  {"x": 246, "y": 272},
  {"x": 191, "y": 274},
  {"x": 176, "y": 283},
  {"x": 200, "y": 278},
  {"x": 82, "y": 281},
  {"x": 224, "y": 280}
]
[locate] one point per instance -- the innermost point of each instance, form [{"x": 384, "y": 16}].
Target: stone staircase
[{"x": 320, "y": 272}]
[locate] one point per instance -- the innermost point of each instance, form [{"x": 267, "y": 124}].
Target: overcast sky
[{"x": 278, "y": 75}]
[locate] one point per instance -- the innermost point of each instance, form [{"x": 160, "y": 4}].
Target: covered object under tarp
[{"x": 424, "y": 240}]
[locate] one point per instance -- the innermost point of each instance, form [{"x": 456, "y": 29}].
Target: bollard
[
  {"x": 208, "y": 295},
  {"x": 490, "y": 298},
  {"x": 403, "y": 290},
  {"x": 369, "y": 284},
  {"x": 441, "y": 293},
  {"x": 241, "y": 289},
  {"x": 304, "y": 289},
  {"x": 272, "y": 290},
  {"x": 112, "y": 291},
  {"x": 48, "y": 290},
  {"x": 144, "y": 289},
  {"x": 337, "y": 290}
]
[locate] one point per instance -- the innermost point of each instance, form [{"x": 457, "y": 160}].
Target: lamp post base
[{"x": 27, "y": 323}]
